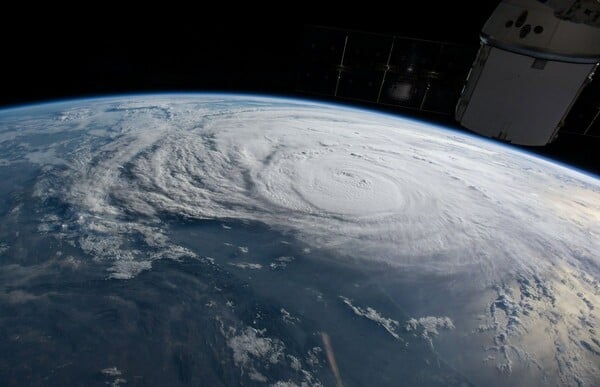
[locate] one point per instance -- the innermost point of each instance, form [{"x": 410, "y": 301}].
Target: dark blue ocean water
[{"x": 62, "y": 320}]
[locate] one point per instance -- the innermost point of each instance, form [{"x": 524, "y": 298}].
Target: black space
[{"x": 48, "y": 58}]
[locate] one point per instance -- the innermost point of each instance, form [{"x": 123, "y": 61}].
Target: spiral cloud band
[{"x": 372, "y": 187}]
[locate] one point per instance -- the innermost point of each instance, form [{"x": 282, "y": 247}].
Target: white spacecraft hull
[{"x": 530, "y": 69}]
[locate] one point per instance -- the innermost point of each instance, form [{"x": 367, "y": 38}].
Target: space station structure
[{"x": 535, "y": 59}]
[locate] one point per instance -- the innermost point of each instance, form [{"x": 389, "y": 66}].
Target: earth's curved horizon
[{"x": 203, "y": 238}]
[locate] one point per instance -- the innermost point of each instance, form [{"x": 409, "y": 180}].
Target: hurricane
[
  {"x": 370, "y": 189},
  {"x": 332, "y": 176}
]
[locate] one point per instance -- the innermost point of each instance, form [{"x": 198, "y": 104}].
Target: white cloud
[
  {"x": 111, "y": 371},
  {"x": 360, "y": 183},
  {"x": 428, "y": 327},
  {"x": 251, "y": 344},
  {"x": 390, "y": 325},
  {"x": 246, "y": 265},
  {"x": 375, "y": 188}
]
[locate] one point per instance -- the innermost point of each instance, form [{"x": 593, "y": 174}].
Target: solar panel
[
  {"x": 385, "y": 69},
  {"x": 584, "y": 117},
  {"x": 364, "y": 65},
  {"x": 322, "y": 52}
]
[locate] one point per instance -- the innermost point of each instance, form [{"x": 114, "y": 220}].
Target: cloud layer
[{"x": 371, "y": 186}]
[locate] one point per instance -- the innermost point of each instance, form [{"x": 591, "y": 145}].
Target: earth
[{"x": 204, "y": 239}]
